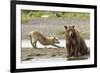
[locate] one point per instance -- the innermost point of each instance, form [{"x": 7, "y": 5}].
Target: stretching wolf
[{"x": 37, "y": 36}]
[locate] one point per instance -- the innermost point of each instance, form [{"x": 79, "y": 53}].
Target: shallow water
[{"x": 27, "y": 44}]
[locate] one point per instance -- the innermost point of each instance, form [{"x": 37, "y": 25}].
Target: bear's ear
[
  {"x": 73, "y": 26},
  {"x": 65, "y": 27}
]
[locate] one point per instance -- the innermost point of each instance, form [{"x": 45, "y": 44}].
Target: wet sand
[
  {"x": 31, "y": 53},
  {"x": 28, "y": 54}
]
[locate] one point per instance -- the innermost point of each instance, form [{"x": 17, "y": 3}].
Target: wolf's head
[{"x": 55, "y": 39}]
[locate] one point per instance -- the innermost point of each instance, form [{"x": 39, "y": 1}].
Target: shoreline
[{"x": 26, "y": 44}]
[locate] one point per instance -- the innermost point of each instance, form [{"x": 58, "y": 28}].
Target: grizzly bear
[{"x": 75, "y": 44}]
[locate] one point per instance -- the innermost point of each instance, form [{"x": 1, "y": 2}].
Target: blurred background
[{"x": 51, "y": 23}]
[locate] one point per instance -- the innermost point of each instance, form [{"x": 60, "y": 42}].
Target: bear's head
[{"x": 70, "y": 31}]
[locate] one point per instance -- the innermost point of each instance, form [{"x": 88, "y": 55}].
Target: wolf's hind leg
[
  {"x": 34, "y": 44},
  {"x": 32, "y": 41}
]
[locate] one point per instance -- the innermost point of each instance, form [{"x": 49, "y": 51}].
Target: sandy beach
[
  {"x": 31, "y": 53},
  {"x": 28, "y": 53}
]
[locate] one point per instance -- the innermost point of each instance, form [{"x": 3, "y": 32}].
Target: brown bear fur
[{"x": 75, "y": 44}]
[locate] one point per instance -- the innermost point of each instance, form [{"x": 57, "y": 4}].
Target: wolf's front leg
[{"x": 56, "y": 46}]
